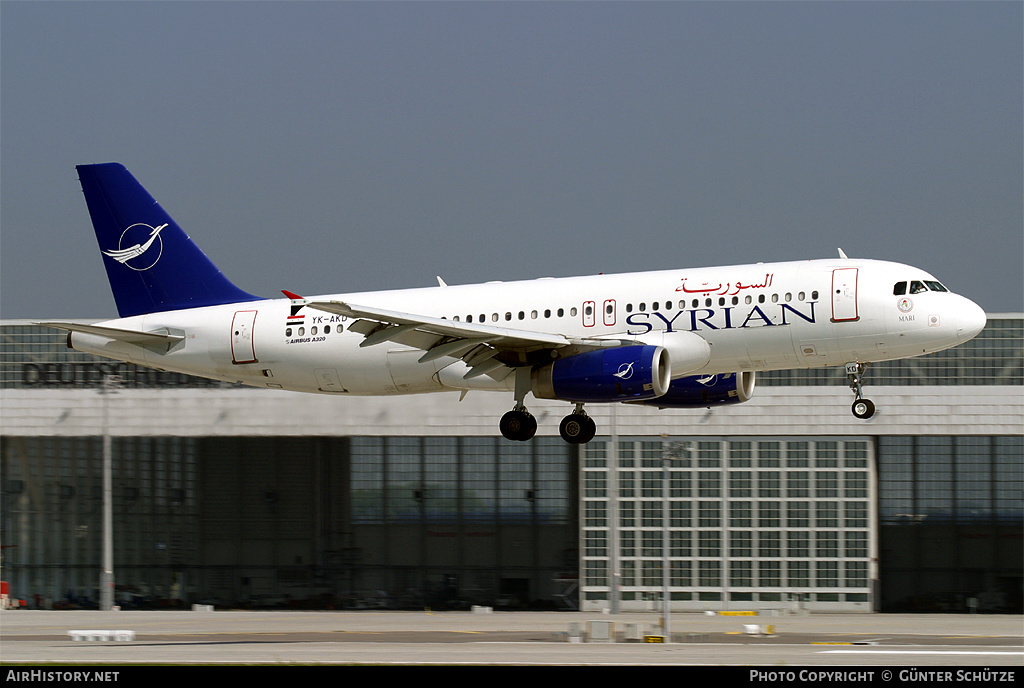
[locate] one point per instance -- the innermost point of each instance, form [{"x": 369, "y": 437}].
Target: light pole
[{"x": 107, "y": 570}]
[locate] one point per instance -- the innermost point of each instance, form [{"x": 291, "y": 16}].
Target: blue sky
[{"x": 343, "y": 146}]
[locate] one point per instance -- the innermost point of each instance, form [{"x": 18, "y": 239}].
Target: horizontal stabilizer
[{"x": 128, "y": 336}]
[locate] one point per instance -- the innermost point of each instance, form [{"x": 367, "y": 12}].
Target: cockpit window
[{"x": 917, "y": 286}]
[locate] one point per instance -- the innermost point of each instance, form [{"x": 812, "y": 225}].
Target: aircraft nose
[{"x": 970, "y": 320}]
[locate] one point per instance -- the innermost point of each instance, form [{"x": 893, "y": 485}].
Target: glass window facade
[
  {"x": 950, "y": 511},
  {"x": 265, "y": 520},
  {"x": 38, "y": 357},
  {"x": 994, "y": 357},
  {"x": 461, "y": 480},
  {"x": 749, "y": 521},
  {"x": 52, "y": 516}
]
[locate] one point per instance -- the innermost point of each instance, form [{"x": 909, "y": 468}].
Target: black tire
[
  {"x": 863, "y": 408},
  {"x": 577, "y": 428},
  {"x": 518, "y": 426}
]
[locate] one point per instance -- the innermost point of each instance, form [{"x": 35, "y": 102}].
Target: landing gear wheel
[
  {"x": 577, "y": 428},
  {"x": 863, "y": 408},
  {"x": 518, "y": 425}
]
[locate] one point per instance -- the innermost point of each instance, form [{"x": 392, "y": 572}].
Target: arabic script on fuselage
[{"x": 727, "y": 289}]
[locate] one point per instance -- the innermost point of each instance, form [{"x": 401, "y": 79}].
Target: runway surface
[{"x": 510, "y": 638}]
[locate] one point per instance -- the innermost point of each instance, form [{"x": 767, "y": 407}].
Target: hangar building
[{"x": 246, "y": 497}]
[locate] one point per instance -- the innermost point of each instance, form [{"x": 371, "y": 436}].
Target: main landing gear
[
  {"x": 519, "y": 424},
  {"x": 577, "y": 427},
  {"x": 862, "y": 408}
]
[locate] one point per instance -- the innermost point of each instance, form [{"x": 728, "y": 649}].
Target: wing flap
[{"x": 485, "y": 350}]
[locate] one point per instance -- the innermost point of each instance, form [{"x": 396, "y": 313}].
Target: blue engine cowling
[
  {"x": 625, "y": 373},
  {"x": 706, "y": 390}
]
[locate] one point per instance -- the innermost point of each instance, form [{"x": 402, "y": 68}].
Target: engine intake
[
  {"x": 707, "y": 390},
  {"x": 626, "y": 373}
]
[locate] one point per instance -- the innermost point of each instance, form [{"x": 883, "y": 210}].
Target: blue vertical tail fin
[{"x": 151, "y": 263}]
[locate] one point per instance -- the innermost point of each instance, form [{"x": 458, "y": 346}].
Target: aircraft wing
[{"x": 478, "y": 344}]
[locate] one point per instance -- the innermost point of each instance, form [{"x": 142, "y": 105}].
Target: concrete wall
[{"x": 959, "y": 410}]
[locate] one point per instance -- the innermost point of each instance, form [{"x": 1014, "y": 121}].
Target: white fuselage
[{"x": 754, "y": 317}]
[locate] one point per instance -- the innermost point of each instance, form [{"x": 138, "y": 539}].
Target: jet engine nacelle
[
  {"x": 688, "y": 351},
  {"x": 707, "y": 390},
  {"x": 624, "y": 373}
]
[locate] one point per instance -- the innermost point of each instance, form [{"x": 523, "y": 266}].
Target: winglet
[{"x": 842, "y": 255}]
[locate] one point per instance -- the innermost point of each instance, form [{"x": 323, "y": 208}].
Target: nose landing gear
[{"x": 862, "y": 408}]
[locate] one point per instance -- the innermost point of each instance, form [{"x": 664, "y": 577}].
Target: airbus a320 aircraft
[{"x": 692, "y": 337}]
